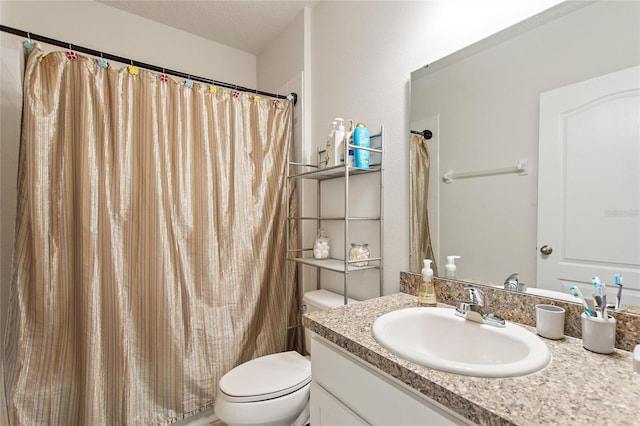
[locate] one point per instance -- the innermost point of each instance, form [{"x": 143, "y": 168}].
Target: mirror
[{"x": 482, "y": 105}]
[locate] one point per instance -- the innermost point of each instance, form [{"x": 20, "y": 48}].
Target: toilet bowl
[{"x": 272, "y": 390}]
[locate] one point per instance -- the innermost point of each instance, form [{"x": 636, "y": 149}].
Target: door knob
[{"x": 546, "y": 250}]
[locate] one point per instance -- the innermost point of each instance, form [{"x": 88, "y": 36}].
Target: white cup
[
  {"x": 598, "y": 334},
  {"x": 550, "y": 321}
]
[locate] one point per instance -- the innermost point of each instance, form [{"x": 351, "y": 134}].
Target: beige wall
[{"x": 283, "y": 58}]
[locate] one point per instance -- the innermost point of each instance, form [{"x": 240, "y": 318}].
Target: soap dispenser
[
  {"x": 450, "y": 267},
  {"x": 426, "y": 289}
]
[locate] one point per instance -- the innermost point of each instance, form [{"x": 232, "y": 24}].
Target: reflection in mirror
[
  {"x": 419, "y": 184},
  {"x": 489, "y": 107}
]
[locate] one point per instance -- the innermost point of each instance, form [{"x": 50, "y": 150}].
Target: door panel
[{"x": 589, "y": 184}]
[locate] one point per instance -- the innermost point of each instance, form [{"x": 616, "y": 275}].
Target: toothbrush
[
  {"x": 598, "y": 286},
  {"x": 618, "y": 282},
  {"x": 600, "y": 296},
  {"x": 576, "y": 293},
  {"x": 603, "y": 306}
]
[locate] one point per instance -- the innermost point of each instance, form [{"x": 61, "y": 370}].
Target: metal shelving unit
[{"x": 296, "y": 256}]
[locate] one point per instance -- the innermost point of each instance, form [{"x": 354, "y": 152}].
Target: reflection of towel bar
[{"x": 521, "y": 169}]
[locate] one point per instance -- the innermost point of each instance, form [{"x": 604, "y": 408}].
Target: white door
[{"x": 589, "y": 185}]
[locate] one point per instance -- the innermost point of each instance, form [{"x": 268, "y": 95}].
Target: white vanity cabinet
[{"x": 347, "y": 391}]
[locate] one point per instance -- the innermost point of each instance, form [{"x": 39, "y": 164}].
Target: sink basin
[{"x": 437, "y": 338}]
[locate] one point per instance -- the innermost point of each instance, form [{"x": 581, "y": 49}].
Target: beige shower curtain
[
  {"x": 421, "y": 246},
  {"x": 150, "y": 243}
]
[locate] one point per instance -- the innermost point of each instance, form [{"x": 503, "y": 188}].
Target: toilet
[{"x": 273, "y": 390}]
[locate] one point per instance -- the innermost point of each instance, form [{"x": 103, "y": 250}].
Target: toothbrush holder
[
  {"x": 598, "y": 334},
  {"x": 550, "y": 321}
]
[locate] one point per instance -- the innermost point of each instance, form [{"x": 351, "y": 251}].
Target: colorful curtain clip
[
  {"x": 213, "y": 89},
  {"x": 102, "y": 63},
  {"x": 256, "y": 99},
  {"x": 133, "y": 70},
  {"x": 188, "y": 83},
  {"x": 28, "y": 44},
  {"x": 235, "y": 94},
  {"x": 71, "y": 55}
]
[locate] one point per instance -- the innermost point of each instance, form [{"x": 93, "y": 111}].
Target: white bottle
[
  {"x": 337, "y": 153},
  {"x": 426, "y": 289},
  {"x": 450, "y": 267},
  {"x": 332, "y": 133},
  {"x": 331, "y": 158},
  {"x": 348, "y": 139}
]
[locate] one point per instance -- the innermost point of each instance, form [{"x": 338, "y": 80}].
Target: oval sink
[{"x": 437, "y": 338}]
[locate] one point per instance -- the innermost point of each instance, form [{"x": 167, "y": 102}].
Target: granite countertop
[{"x": 578, "y": 387}]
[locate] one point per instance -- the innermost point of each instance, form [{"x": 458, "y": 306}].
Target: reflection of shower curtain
[
  {"x": 421, "y": 247},
  {"x": 150, "y": 243}
]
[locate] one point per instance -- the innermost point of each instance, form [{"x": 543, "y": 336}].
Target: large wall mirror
[{"x": 534, "y": 156}]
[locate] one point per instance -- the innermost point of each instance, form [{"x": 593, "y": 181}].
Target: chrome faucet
[
  {"x": 512, "y": 283},
  {"x": 472, "y": 309}
]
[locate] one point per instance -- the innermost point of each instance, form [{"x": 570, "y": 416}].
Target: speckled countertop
[{"x": 578, "y": 387}]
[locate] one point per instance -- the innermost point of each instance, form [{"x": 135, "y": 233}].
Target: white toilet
[{"x": 272, "y": 390}]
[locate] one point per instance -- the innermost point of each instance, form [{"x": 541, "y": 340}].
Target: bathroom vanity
[{"x": 356, "y": 381}]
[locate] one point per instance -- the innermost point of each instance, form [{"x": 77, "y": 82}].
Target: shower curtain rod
[
  {"x": 75, "y": 47},
  {"x": 426, "y": 134}
]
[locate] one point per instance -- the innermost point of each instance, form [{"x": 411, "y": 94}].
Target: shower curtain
[
  {"x": 421, "y": 247},
  {"x": 150, "y": 243}
]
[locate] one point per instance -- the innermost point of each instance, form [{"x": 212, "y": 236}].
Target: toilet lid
[{"x": 267, "y": 377}]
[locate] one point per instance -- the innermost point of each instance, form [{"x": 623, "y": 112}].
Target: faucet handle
[
  {"x": 512, "y": 283},
  {"x": 476, "y": 296},
  {"x": 513, "y": 277}
]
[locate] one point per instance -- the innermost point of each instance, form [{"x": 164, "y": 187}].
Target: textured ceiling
[{"x": 245, "y": 25}]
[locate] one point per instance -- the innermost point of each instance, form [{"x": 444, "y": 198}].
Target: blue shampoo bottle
[{"x": 361, "y": 138}]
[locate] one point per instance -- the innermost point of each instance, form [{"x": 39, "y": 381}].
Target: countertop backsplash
[{"x": 520, "y": 308}]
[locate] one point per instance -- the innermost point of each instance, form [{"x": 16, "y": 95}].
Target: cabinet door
[
  {"x": 328, "y": 411},
  {"x": 370, "y": 394}
]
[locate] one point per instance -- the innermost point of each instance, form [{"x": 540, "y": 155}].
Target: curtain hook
[
  {"x": 71, "y": 55},
  {"x": 28, "y": 44},
  {"x": 102, "y": 63},
  {"x": 133, "y": 70}
]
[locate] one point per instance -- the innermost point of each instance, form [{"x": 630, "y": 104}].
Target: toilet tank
[{"x": 318, "y": 300}]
